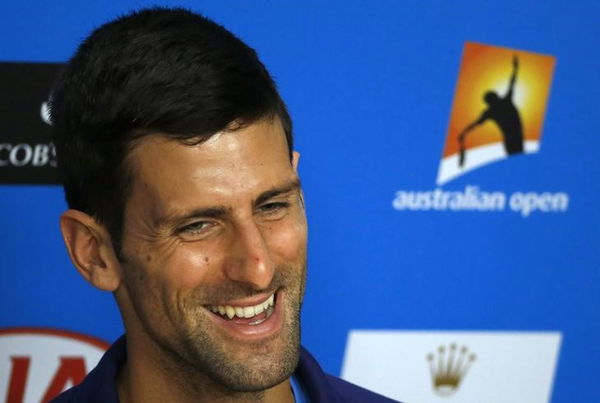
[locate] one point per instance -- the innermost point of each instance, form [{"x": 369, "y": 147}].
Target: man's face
[{"x": 211, "y": 231}]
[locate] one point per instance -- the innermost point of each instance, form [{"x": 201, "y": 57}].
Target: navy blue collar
[{"x": 100, "y": 384}]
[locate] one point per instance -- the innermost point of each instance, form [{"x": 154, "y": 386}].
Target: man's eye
[
  {"x": 274, "y": 208},
  {"x": 194, "y": 228}
]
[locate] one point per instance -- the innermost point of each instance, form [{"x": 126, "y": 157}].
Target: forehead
[{"x": 231, "y": 164}]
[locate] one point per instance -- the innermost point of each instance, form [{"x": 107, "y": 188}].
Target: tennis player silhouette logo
[
  {"x": 504, "y": 113},
  {"x": 498, "y": 108}
]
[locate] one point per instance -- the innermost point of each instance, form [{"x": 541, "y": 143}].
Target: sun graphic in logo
[{"x": 498, "y": 109}]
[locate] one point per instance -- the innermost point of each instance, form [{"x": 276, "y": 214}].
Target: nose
[{"x": 249, "y": 259}]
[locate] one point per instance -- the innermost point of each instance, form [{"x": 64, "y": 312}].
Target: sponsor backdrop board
[
  {"x": 449, "y": 160},
  {"x": 496, "y": 377}
]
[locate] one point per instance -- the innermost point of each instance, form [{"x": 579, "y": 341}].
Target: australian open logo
[
  {"x": 498, "y": 112},
  {"x": 498, "y": 109}
]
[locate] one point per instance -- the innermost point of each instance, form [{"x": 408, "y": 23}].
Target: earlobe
[
  {"x": 90, "y": 249},
  {"x": 295, "y": 160}
]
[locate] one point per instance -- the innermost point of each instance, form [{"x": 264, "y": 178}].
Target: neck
[{"x": 151, "y": 378}]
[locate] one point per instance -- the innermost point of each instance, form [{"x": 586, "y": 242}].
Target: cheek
[
  {"x": 289, "y": 241},
  {"x": 190, "y": 267}
]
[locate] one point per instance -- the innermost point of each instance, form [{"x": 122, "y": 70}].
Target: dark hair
[{"x": 159, "y": 70}]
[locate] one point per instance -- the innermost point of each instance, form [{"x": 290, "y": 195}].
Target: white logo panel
[
  {"x": 454, "y": 367},
  {"x": 36, "y": 364}
]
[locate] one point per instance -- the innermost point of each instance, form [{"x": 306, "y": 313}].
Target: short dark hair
[{"x": 158, "y": 70}]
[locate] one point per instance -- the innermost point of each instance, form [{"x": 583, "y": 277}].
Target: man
[
  {"x": 175, "y": 151},
  {"x": 503, "y": 111}
]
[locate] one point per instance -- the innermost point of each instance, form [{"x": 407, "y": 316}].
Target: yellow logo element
[
  {"x": 448, "y": 368},
  {"x": 498, "y": 109}
]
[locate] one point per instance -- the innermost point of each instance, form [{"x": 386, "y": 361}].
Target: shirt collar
[{"x": 101, "y": 383}]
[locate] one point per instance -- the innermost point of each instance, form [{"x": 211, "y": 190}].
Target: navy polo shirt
[{"x": 99, "y": 386}]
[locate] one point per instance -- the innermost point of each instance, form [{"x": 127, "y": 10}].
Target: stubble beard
[{"x": 200, "y": 352}]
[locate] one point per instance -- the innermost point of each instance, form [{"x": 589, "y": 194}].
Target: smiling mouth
[{"x": 249, "y": 315}]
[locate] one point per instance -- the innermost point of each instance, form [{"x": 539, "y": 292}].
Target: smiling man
[{"x": 175, "y": 151}]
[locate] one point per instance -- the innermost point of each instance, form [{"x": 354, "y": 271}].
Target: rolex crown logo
[{"x": 448, "y": 367}]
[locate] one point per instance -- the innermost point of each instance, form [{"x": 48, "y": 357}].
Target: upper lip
[{"x": 251, "y": 301}]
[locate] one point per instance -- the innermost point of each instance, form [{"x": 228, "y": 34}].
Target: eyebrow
[
  {"x": 221, "y": 211},
  {"x": 287, "y": 188}
]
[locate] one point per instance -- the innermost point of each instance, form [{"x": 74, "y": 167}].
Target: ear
[
  {"x": 90, "y": 249},
  {"x": 295, "y": 160}
]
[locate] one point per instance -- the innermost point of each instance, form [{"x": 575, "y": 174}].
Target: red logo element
[{"x": 41, "y": 363}]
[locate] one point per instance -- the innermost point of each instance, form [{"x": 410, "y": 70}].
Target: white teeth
[
  {"x": 268, "y": 302},
  {"x": 248, "y": 312},
  {"x": 243, "y": 312}
]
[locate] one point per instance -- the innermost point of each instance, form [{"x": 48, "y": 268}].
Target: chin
[{"x": 268, "y": 366}]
